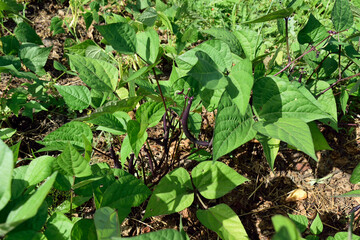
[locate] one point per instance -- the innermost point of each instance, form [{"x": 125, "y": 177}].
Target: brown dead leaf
[{"x": 296, "y": 195}]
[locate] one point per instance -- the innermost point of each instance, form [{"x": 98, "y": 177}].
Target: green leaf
[
  {"x": 282, "y": 13},
  {"x": 224, "y": 221},
  {"x": 285, "y": 228},
  {"x": 345, "y": 235},
  {"x": 165, "y": 234},
  {"x": 58, "y": 227},
  {"x": 327, "y": 99},
  {"x": 341, "y": 15},
  {"x": 137, "y": 136},
  {"x": 319, "y": 140},
  {"x": 206, "y": 73},
  {"x": 127, "y": 191},
  {"x": 34, "y": 57},
  {"x": 313, "y": 32},
  {"x": 218, "y": 51},
  {"x": 107, "y": 223},
  {"x": 6, "y": 170},
  {"x": 215, "y": 179},
  {"x": 174, "y": 193},
  {"x": 355, "y": 176},
  {"x": 147, "y": 45},
  {"x": 154, "y": 112},
  {"x": 10, "y": 45},
  {"x": 23, "y": 211},
  {"x": 291, "y": 130},
  {"x": 97, "y": 74},
  {"x": 274, "y": 97},
  {"x": 76, "y": 97},
  {"x": 6, "y": 133},
  {"x": 344, "y": 98},
  {"x": 39, "y": 169},
  {"x": 354, "y": 193},
  {"x": 84, "y": 229},
  {"x": 248, "y": 41},
  {"x": 72, "y": 163},
  {"x": 109, "y": 123},
  {"x": 15, "y": 149},
  {"x": 121, "y": 36},
  {"x": 80, "y": 48},
  {"x": 227, "y": 37},
  {"x": 125, "y": 150},
  {"x": 56, "y": 25},
  {"x": 300, "y": 221},
  {"x": 25, "y": 33},
  {"x": 25, "y": 235},
  {"x": 232, "y": 129},
  {"x": 148, "y": 17},
  {"x": 316, "y": 226},
  {"x": 240, "y": 85},
  {"x": 70, "y": 132},
  {"x": 270, "y": 147}
]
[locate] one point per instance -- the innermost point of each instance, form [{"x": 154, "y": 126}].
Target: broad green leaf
[
  {"x": 341, "y": 15},
  {"x": 15, "y": 149},
  {"x": 148, "y": 17},
  {"x": 270, "y": 147},
  {"x": 206, "y": 73},
  {"x": 34, "y": 57},
  {"x": 18, "y": 185},
  {"x": 72, "y": 163},
  {"x": 77, "y": 201},
  {"x": 210, "y": 98},
  {"x": 218, "y": 51},
  {"x": 58, "y": 227},
  {"x": 232, "y": 129},
  {"x": 15, "y": 72},
  {"x": 23, "y": 211},
  {"x": 31, "y": 108},
  {"x": 6, "y": 170},
  {"x": 125, "y": 150},
  {"x": 327, "y": 99},
  {"x": 227, "y": 37},
  {"x": 282, "y": 13},
  {"x": 285, "y": 228},
  {"x": 106, "y": 223},
  {"x": 84, "y": 229},
  {"x": 248, "y": 41},
  {"x": 274, "y": 97},
  {"x": 316, "y": 226},
  {"x": 70, "y": 132},
  {"x": 76, "y": 97},
  {"x": 291, "y": 130},
  {"x": 137, "y": 136},
  {"x": 174, "y": 193},
  {"x": 80, "y": 48},
  {"x": 165, "y": 21},
  {"x": 127, "y": 191},
  {"x": 154, "y": 112},
  {"x": 121, "y": 36},
  {"x": 345, "y": 235},
  {"x": 147, "y": 45},
  {"x": 313, "y": 32},
  {"x": 10, "y": 45},
  {"x": 215, "y": 179},
  {"x": 344, "y": 98},
  {"x": 165, "y": 234},
  {"x": 319, "y": 140},
  {"x": 109, "y": 123},
  {"x": 240, "y": 85},
  {"x": 138, "y": 73},
  {"x": 86, "y": 182},
  {"x": 224, "y": 221},
  {"x": 355, "y": 176},
  {"x": 96, "y": 52},
  {"x": 6, "y": 133},
  {"x": 56, "y": 25},
  {"x": 39, "y": 169},
  {"x": 25, "y": 235},
  {"x": 300, "y": 221},
  {"x": 25, "y": 33},
  {"x": 97, "y": 74}
]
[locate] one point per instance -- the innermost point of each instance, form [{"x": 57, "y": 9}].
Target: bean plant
[{"x": 275, "y": 75}]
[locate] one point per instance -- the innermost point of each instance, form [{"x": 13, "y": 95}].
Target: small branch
[
  {"x": 150, "y": 160},
  {"x": 115, "y": 157},
  {"x": 332, "y": 85}
]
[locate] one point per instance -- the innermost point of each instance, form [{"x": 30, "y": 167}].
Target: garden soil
[{"x": 267, "y": 193}]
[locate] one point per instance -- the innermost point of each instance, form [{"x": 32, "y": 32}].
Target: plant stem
[
  {"x": 287, "y": 39},
  {"x": 332, "y": 85}
]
